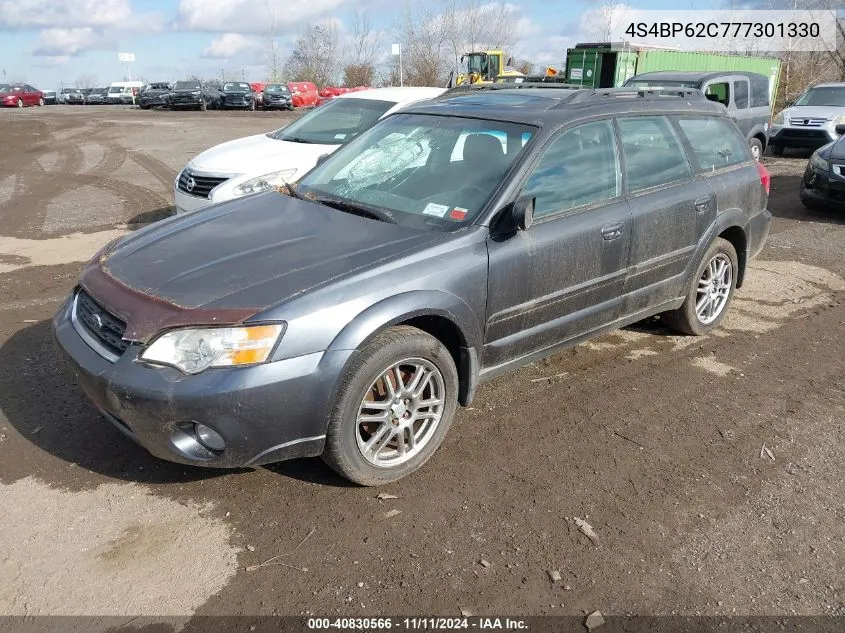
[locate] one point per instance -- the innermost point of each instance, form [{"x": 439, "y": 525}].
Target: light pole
[{"x": 397, "y": 50}]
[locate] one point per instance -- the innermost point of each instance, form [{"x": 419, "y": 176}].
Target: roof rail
[{"x": 598, "y": 94}]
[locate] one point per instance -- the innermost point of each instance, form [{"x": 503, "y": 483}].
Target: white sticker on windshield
[
  {"x": 438, "y": 210},
  {"x": 339, "y": 137}
]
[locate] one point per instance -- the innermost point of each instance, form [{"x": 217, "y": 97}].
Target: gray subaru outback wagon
[{"x": 456, "y": 240}]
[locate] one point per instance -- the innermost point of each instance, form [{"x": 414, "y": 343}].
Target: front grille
[
  {"x": 236, "y": 100},
  {"x": 202, "y": 185},
  {"x": 105, "y": 328},
  {"x": 806, "y": 122}
]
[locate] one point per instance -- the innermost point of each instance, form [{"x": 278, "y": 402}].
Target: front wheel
[
  {"x": 710, "y": 293},
  {"x": 20, "y": 102},
  {"x": 393, "y": 408},
  {"x": 40, "y": 102},
  {"x": 756, "y": 148}
]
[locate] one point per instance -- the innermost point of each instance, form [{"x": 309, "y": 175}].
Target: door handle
[
  {"x": 612, "y": 231},
  {"x": 702, "y": 204}
]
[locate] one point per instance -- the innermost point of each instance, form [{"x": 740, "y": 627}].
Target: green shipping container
[{"x": 610, "y": 65}]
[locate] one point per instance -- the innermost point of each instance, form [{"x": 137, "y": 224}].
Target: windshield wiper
[
  {"x": 291, "y": 191},
  {"x": 348, "y": 207},
  {"x": 296, "y": 139}
]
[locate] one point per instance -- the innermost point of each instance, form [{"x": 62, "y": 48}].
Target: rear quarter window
[
  {"x": 653, "y": 153},
  {"x": 759, "y": 92},
  {"x": 715, "y": 142},
  {"x": 741, "y": 94}
]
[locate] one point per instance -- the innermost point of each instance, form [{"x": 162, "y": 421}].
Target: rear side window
[
  {"x": 715, "y": 142},
  {"x": 653, "y": 153},
  {"x": 759, "y": 92},
  {"x": 578, "y": 168},
  {"x": 741, "y": 93}
]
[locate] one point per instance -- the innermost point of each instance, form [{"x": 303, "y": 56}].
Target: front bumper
[
  {"x": 238, "y": 101},
  {"x": 811, "y": 138},
  {"x": 823, "y": 189},
  {"x": 153, "y": 102},
  {"x": 185, "y": 101},
  {"x": 277, "y": 103},
  {"x": 266, "y": 413}
]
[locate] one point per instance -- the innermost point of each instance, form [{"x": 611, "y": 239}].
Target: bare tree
[
  {"x": 315, "y": 55},
  {"x": 273, "y": 53},
  {"x": 86, "y": 81},
  {"x": 602, "y": 21},
  {"x": 364, "y": 46}
]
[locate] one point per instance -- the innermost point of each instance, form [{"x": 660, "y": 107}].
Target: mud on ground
[{"x": 710, "y": 468}]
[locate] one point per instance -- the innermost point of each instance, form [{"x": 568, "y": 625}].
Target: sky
[{"x": 51, "y": 43}]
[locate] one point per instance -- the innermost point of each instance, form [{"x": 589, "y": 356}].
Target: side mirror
[
  {"x": 840, "y": 129},
  {"x": 322, "y": 159},
  {"x": 522, "y": 212}
]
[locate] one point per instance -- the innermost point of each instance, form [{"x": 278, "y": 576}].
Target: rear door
[
  {"x": 564, "y": 275},
  {"x": 671, "y": 208}
]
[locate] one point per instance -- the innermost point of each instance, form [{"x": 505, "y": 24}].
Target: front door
[{"x": 564, "y": 275}]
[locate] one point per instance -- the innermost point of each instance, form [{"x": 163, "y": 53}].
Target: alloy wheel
[
  {"x": 400, "y": 412},
  {"x": 714, "y": 289}
]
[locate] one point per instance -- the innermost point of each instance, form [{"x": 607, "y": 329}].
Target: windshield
[
  {"x": 67, "y": 91},
  {"x": 427, "y": 172},
  {"x": 236, "y": 87},
  {"x": 276, "y": 89},
  {"x": 187, "y": 85},
  {"x": 477, "y": 63},
  {"x": 833, "y": 96},
  {"x": 113, "y": 90},
  {"x": 660, "y": 83},
  {"x": 5, "y": 87},
  {"x": 335, "y": 123}
]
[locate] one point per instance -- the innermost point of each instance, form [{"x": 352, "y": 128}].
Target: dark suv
[
  {"x": 237, "y": 95},
  {"x": 193, "y": 94},
  {"x": 455, "y": 240}
]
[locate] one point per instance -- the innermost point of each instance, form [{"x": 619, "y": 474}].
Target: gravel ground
[{"x": 710, "y": 468}]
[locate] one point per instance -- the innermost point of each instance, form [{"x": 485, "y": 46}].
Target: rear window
[
  {"x": 653, "y": 154},
  {"x": 741, "y": 94},
  {"x": 715, "y": 142},
  {"x": 759, "y": 92}
]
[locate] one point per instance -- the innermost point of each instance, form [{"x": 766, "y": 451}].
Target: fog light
[{"x": 209, "y": 438}]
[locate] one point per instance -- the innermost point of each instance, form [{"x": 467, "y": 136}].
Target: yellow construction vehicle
[{"x": 487, "y": 67}]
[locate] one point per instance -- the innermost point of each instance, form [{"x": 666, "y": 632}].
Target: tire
[
  {"x": 415, "y": 353},
  {"x": 756, "y": 148},
  {"x": 777, "y": 150},
  {"x": 20, "y": 102},
  {"x": 686, "y": 319},
  {"x": 40, "y": 102}
]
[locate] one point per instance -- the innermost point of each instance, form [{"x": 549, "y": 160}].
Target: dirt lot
[{"x": 657, "y": 441}]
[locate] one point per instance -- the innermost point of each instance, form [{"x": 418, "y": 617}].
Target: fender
[
  {"x": 725, "y": 220},
  {"x": 409, "y": 305}
]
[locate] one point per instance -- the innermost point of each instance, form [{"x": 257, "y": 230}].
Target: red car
[
  {"x": 20, "y": 95},
  {"x": 304, "y": 94}
]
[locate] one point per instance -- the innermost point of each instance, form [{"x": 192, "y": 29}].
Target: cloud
[
  {"x": 228, "y": 45},
  {"x": 64, "y": 42},
  {"x": 250, "y": 16},
  {"x": 29, "y": 14}
]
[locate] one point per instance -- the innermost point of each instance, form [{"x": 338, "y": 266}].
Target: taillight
[{"x": 765, "y": 178}]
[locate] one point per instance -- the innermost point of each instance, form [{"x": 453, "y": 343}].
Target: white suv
[
  {"x": 810, "y": 121},
  {"x": 257, "y": 163}
]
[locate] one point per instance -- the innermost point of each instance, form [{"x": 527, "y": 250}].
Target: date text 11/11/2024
[{"x": 418, "y": 623}]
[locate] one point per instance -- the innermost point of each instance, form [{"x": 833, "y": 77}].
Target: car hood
[
  {"x": 259, "y": 153},
  {"x": 254, "y": 253},
  {"x": 188, "y": 90},
  {"x": 154, "y": 92},
  {"x": 813, "y": 112}
]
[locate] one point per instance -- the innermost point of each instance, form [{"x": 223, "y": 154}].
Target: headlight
[
  {"x": 817, "y": 162},
  {"x": 195, "y": 350},
  {"x": 265, "y": 182},
  {"x": 778, "y": 119},
  {"x": 196, "y": 93},
  {"x": 837, "y": 121}
]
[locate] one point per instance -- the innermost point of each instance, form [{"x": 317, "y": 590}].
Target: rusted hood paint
[{"x": 228, "y": 263}]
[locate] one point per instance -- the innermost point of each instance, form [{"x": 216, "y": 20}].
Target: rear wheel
[
  {"x": 756, "y": 148},
  {"x": 393, "y": 408},
  {"x": 710, "y": 293},
  {"x": 41, "y": 102}
]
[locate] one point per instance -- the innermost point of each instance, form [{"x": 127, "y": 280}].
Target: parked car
[
  {"x": 810, "y": 121},
  {"x": 452, "y": 242},
  {"x": 304, "y": 94},
  {"x": 257, "y": 163},
  {"x": 118, "y": 89},
  {"x": 75, "y": 97},
  {"x": 193, "y": 94},
  {"x": 49, "y": 97},
  {"x": 98, "y": 96},
  {"x": 154, "y": 95},
  {"x": 823, "y": 183},
  {"x": 19, "y": 95},
  {"x": 63, "y": 93},
  {"x": 276, "y": 97},
  {"x": 745, "y": 95},
  {"x": 237, "y": 95}
]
